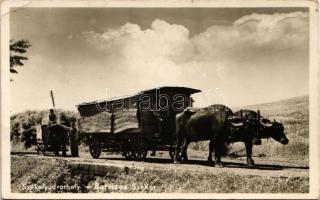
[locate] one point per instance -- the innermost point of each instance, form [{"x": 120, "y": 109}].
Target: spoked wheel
[
  {"x": 141, "y": 155},
  {"x": 140, "y": 149},
  {"x": 95, "y": 148},
  {"x": 172, "y": 150}
]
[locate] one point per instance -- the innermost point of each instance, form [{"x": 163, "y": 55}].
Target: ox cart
[
  {"x": 135, "y": 124},
  {"x": 56, "y": 138}
]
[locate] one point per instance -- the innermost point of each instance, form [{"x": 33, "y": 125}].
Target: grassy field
[{"x": 30, "y": 174}]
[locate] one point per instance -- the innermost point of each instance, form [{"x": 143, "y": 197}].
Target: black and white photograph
[{"x": 132, "y": 99}]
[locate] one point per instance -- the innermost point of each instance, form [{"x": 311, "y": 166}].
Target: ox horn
[
  {"x": 265, "y": 124},
  {"x": 234, "y": 124},
  {"x": 239, "y": 124}
]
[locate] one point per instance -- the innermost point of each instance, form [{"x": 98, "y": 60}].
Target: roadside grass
[
  {"x": 27, "y": 172},
  {"x": 196, "y": 182},
  {"x": 38, "y": 171}
]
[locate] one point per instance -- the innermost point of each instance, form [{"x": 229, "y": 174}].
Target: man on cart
[{"x": 52, "y": 117}]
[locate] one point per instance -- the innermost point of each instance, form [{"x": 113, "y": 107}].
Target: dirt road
[{"x": 264, "y": 167}]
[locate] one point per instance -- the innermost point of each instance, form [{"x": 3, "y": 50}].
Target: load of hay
[{"x": 101, "y": 122}]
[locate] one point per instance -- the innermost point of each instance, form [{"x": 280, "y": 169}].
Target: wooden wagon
[{"x": 134, "y": 124}]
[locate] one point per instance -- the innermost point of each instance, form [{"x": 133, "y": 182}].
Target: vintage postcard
[{"x": 159, "y": 99}]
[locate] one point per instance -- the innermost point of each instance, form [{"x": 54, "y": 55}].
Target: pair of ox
[{"x": 220, "y": 125}]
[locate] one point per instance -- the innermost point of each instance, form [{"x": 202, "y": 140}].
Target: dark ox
[
  {"x": 214, "y": 123},
  {"x": 265, "y": 128}
]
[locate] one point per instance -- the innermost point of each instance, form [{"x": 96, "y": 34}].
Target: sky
[{"x": 236, "y": 56}]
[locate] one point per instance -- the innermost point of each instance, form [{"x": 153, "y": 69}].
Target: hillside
[{"x": 293, "y": 112}]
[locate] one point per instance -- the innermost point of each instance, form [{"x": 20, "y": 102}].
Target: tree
[{"x": 16, "y": 49}]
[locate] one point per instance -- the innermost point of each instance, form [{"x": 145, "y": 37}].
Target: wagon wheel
[
  {"x": 141, "y": 155},
  {"x": 172, "y": 150},
  {"x": 140, "y": 148},
  {"x": 95, "y": 148}
]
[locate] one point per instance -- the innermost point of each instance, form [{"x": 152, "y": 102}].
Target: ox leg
[
  {"x": 184, "y": 150},
  {"x": 177, "y": 158},
  {"x": 250, "y": 161},
  {"x": 218, "y": 151},
  {"x": 211, "y": 148},
  {"x": 64, "y": 147},
  {"x": 56, "y": 150}
]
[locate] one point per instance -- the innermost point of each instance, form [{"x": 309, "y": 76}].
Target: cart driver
[
  {"x": 52, "y": 117},
  {"x": 74, "y": 138}
]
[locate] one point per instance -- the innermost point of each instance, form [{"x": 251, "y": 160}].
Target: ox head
[
  {"x": 262, "y": 126},
  {"x": 274, "y": 130},
  {"x": 266, "y": 128}
]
